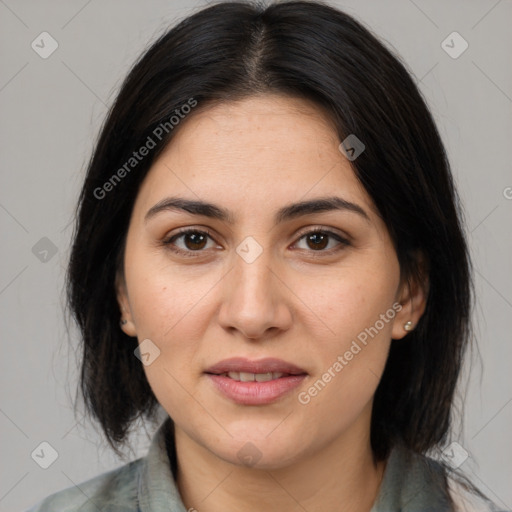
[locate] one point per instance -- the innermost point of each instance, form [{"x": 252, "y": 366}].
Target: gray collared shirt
[{"x": 411, "y": 483}]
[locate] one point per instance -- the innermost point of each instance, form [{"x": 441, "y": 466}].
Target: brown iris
[
  {"x": 319, "y": 240},
  {"x": 195, "y": 241}
]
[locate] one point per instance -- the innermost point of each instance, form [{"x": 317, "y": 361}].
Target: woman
[{"x": 269, "y": 249}]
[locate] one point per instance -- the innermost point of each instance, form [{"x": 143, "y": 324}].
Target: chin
[{"x": 258, "y": 452}]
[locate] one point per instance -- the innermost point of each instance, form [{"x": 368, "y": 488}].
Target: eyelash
[{"x": 192, "y": 254}]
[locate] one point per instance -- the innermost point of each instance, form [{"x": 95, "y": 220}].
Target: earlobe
[
  {"x": 128, "y": 327},
  {"x": 126, "y": 321},
  {"x": 413, "y": 299},
  {"x": 408, "y": 326},
  {"x": 408, "y": 317}
]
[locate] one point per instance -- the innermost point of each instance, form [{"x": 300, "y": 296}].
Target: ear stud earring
[
  {"x": 408, "y": 326},
  {"x": 123, "y": 321}
]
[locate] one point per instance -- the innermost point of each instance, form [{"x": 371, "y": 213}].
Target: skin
[{"x": 295, "y": 302}]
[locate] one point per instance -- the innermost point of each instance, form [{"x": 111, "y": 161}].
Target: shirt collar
[
  {"x": 157, "y": 490},
  {"x": 412, "y": 482}
]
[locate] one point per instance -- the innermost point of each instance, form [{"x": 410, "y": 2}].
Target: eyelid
[
  {"x": 168, "y": 242},
  {"x": 324, "y": 229},
  {"x": 184, "y": 231},
  {"x": 343, "y": 242}
]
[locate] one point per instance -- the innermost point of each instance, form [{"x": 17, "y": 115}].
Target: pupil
[
  {"x": 319, "y": 240},
  {"x": 196, "y": 240}
]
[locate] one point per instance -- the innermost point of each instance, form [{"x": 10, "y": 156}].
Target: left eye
[{"x": 321, "y": 240}]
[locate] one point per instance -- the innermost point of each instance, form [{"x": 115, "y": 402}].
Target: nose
[{"x": 255, "y": 300}]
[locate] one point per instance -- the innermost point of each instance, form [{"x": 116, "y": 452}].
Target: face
[{"x": 314, "y": 291}]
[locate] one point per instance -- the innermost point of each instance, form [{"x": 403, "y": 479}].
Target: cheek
[
  {"x": 355, "y": 307},
  {"x": 350, "y": 299},
  {"x": 162, "y": 297},
  {"x": 167, "y": 309},
  {"x": 170, "y": 307}
]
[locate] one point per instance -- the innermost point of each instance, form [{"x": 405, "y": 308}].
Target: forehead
[{"x": 260, "y": 150}]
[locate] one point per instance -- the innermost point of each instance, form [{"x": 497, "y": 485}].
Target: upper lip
[{"x": 267, "y": 365}]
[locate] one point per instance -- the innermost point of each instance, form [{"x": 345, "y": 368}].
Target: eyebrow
[{"x": 289, "y": 212}]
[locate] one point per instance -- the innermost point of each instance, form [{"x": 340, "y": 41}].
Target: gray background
[{"x": 51, "y": 111}]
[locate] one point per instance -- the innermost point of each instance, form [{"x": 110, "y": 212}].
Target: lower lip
[{"x": 255, "y": 393}]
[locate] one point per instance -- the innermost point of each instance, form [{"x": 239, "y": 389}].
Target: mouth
[
  {"x": 258, "y": 382},
  {"x": 245, "y": 370},
  {"x": 253, "y": 377}
]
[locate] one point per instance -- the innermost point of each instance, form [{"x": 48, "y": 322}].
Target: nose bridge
[
  {"x": 253, "y": 278},
  {"x": 253, "y": 301}
]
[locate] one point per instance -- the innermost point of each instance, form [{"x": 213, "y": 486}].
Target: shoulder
[
  {"x": 415, "y": 482},
  {"x": 144, "y": 484},
  {"x": 461, "y": 494},
  {"x": 115, "y": 490},
  {"x": 466, "y": 498}
]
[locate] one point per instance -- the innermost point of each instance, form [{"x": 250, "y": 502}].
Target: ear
[
  {"x": 412, "y": 296},
  {"x": 126, "y": 320}
]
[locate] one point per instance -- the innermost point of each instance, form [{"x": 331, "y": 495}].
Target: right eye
[{"x": 190, "y": 241}]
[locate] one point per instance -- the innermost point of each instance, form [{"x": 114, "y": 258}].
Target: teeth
[
  {"x": 246, "y": 377},
  {"x": 253, "y": 377},
  {"x": 263, "y": 377}
]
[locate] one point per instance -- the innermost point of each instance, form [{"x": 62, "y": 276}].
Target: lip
[
  {"x": 266, "y": 365},
  {"x": 255, "y": 393}
]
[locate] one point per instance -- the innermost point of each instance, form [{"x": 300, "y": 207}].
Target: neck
[{"x": 342, "y": 476}]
